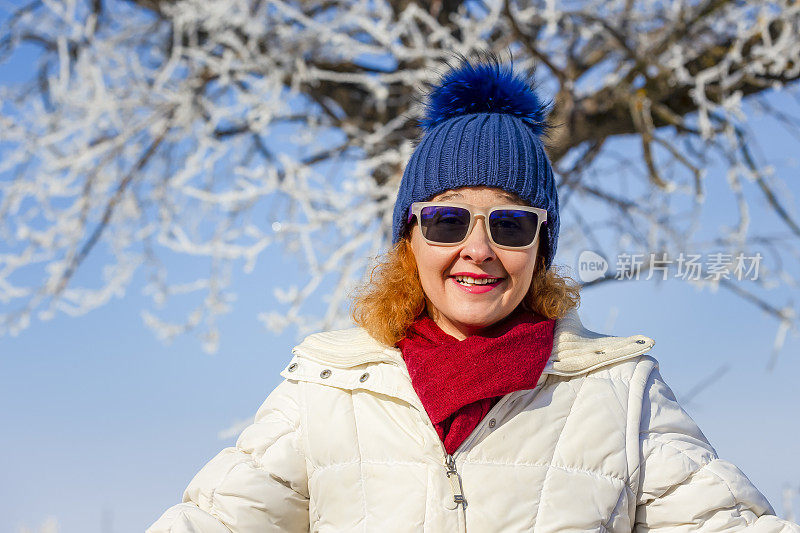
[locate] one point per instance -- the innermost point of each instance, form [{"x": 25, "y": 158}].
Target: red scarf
[{"x": 458, "y": 382}]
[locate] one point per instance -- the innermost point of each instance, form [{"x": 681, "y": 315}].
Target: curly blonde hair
[{"x": 392, "y": 298}]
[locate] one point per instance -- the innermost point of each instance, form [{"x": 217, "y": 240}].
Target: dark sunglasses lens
[
  {"x": 444, "y": 224},
  {"x": 512, "y": 227}
]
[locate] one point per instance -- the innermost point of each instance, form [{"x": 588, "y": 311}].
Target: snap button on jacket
[{"x": 600, "y": 444}]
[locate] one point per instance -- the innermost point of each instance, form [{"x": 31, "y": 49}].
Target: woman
[{"x": 470, "y": 397}]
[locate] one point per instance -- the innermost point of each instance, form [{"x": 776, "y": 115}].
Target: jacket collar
[{"x": 576, "y": 349}]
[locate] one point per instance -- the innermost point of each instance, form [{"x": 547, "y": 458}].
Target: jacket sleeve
[
  {"x": 258, "y": 485},
  {"x": 683, "y": 484}
]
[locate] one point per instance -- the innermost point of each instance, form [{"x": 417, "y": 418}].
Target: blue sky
[{"x": 104, "y": 426}]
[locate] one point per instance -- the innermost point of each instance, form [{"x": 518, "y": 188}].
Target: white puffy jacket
[{"x": 344, "y": 444}]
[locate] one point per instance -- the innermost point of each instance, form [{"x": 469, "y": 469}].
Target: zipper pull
[{"x": 455, "y": 481}]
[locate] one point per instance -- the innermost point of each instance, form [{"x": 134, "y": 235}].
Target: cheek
[
  {"x": 429, "y": 263},
  {"x": 520, "y": 268},
  {"x": 432, "y": 266}
]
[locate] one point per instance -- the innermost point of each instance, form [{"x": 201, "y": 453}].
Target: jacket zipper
[
  {"x": 450, "y": 467},
  {"x": 455, "y": 481},
  {"x": 453, "y": 476},
  {"x": 449, "y": 461}
]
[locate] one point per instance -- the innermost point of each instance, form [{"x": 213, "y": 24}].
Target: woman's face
[{"x": 455, "y": 308}]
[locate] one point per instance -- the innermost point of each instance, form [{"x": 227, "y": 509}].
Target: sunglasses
[{"x": 511, "y": 227}]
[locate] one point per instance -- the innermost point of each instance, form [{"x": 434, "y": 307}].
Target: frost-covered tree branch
[{"x": 151, "y": 131}]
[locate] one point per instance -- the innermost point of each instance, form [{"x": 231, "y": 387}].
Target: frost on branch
[{"x": 209, "y": 133}]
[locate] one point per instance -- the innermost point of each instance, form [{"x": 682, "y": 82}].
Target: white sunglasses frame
[{"x": 474, "y": 212}]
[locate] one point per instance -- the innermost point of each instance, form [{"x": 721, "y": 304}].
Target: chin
[
  {"x": 475, "y": 312},
  {"x": 476, "y": 322}
]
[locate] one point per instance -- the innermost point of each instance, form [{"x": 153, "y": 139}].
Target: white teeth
[{"x": 466, "y": 280}]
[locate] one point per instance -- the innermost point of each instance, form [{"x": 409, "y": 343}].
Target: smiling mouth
[{"x": 479, "y": 282}]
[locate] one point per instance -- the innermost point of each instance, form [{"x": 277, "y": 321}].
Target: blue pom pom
[{"x": 484, "y": 88}]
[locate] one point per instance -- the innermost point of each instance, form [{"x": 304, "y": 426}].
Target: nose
[{"x": 478, "y": 247}]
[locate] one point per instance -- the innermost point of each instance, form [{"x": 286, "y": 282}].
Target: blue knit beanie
[{"x": 482, "y": 127}]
